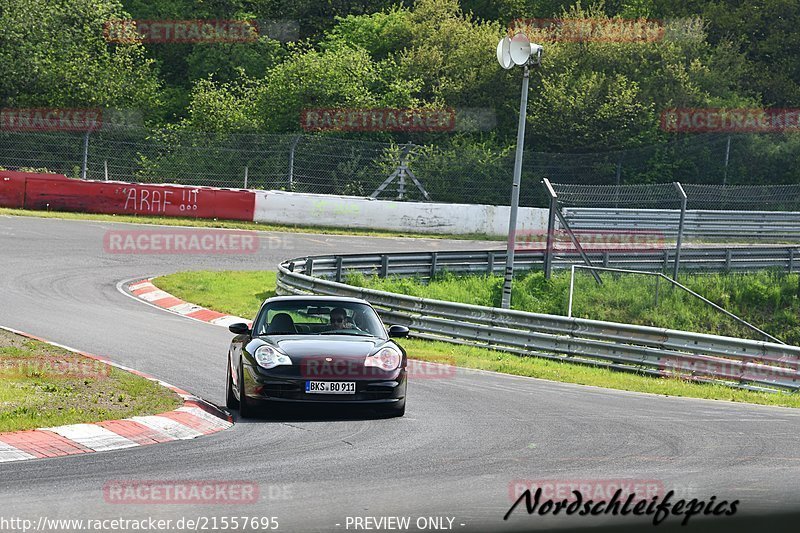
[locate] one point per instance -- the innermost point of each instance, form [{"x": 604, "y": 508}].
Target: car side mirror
[
  {"x": 398, "y": 331},
  {"x": 240, "y": 328}
]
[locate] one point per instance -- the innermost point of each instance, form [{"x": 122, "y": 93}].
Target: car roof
[{"x": 311, "y": 297}]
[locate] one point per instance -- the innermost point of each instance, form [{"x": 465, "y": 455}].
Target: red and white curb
[
  {"x": 145, "y": 290},
  {"x": 195, "y": 418}
]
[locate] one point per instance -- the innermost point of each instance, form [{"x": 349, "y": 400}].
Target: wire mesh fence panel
[
  {"x": 324, "y": 165},
  {"x": 748, "y": 197},
  {"x": 462, "y": 175},
  {"x": 752, "y": 170},
  {"x": 712, "y": 158},
  {"x": 60, "y": 152},
  {"x": 657, "y": 195},
  {"x": 195, "y": 159},
  {"x": 738, "y": 213}
]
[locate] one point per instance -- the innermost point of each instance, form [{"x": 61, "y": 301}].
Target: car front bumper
[{"x": 280, "y": 386}]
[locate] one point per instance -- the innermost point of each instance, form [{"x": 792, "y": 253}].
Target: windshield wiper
[{"x": 353, "y": 334}]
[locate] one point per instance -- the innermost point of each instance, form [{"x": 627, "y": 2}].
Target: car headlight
[
  {"x": 387, "y": 358},
  {"x": 268, "y": 357}
]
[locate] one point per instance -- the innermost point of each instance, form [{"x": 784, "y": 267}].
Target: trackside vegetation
[
  {"x": 242, "y": 293},
  {"x": 44, "y": 386},
  {"x": 592, "y": 96},
  {"x": 769, "y": 300}
]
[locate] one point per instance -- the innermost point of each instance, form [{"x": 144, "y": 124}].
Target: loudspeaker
[{"x": 520, "y": 49}]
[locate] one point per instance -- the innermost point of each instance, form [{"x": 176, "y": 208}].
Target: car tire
[
  {"x": 230, "y": 398},
  {"x": 245, "y": 409},
  {"x": 396, "y": 410}
]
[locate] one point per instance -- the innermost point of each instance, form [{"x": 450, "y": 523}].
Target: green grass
[
  {"x": 768, "y": 300},
  {"x": 234, "y": 292},
  {"x": 240, "y": 225},
  {"x": 242, "y": 293},
  {"x": 483, "y": 359},
  {"x": 44, "y": 386}
]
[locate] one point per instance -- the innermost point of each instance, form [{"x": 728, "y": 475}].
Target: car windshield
[{"x": 315, "y": 317}]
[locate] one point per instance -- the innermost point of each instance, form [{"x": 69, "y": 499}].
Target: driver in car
[{"x": 338, "y": 318}]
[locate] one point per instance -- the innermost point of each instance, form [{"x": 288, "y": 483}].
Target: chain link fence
[
  {"x": 667, "y": 196},
  {"x": 451, "y": 169}
]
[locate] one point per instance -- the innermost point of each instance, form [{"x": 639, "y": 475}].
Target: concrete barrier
[
  {"x": 59, "y": 193},
  {"x": 357, "y": 212},
  {"x": 12, "y": 188},
  {"x": 56, "y": 192}
]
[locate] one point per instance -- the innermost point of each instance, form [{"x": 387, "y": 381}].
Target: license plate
[{"x": 331, "y": 387}]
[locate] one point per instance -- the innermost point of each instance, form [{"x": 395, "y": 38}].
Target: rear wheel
[{"x": 230, "y": 398}]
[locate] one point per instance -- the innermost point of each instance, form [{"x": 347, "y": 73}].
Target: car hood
[{"x": 327, "y": 345}]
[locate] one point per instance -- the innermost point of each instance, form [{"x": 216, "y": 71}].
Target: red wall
[
  {"x": 59, "y": 193},
  {"x": 12, "y": 188}
]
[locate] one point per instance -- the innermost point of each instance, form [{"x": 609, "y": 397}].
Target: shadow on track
[{"x": 315, "y": 413}]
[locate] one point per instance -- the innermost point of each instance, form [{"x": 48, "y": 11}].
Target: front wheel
[
  {"x": 245, "y": 409},
  {"x": 230, "y": 398},
  {"x": 396, "y": 410}
]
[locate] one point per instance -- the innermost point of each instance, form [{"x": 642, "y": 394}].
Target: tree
[
  {"x": 339, "y": 77},
  {"x": 224, "y": 107},
  {"x": 55, "y": 54},
  {"x": 381, "y": 34},
  {"x": 589, "y": 111}
]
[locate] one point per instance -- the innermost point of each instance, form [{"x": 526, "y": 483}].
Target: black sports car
[{"x": 316, "y": 349}]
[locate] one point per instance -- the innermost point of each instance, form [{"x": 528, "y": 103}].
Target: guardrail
[
  {"x": 426, "y": 264},
  {"x": 762, "y": 225},
  {"x": 749, "y": 364}
]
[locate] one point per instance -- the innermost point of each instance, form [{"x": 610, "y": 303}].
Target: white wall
[{"x": 352, "y": 211}]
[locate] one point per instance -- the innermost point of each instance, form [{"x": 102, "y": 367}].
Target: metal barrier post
[
  {"x": 551, "y": 228},
  {"x": 576, "y": 243},
  {"x": 338, "y": 269},
  {"x": 727, "y": 159},
  {"x": 658, "y": 279},
  {"x": 680, "y": 231},
  {"x": 384, "y": 266},
  {"x": 571, "y": 289},
  {"x": 291, "y": 161},
  {"x": 85, "y": 165}
]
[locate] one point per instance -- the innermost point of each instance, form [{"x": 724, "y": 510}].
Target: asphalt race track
[{"x": 463, "y": 441}]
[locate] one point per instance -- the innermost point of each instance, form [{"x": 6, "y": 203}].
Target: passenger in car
[{"x": 281, "y": 324}]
